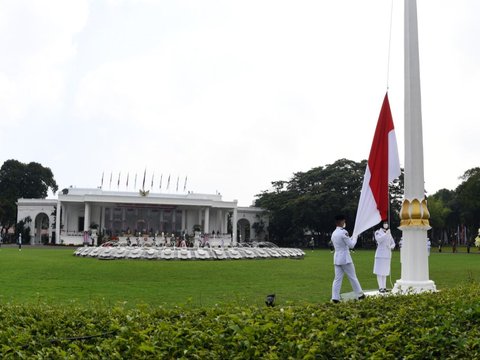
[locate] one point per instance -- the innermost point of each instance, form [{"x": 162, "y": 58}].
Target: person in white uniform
[
  {"x": 342, "y": 260},
  {"x": 383, "y": 256}
]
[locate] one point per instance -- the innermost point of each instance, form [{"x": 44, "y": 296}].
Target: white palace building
[{"x": 122, "y": 214}]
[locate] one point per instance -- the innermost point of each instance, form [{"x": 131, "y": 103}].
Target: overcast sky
[{"x": 232, "y": 94}]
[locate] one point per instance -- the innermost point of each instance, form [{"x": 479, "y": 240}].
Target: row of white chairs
[{"x": 128, "y": 252}]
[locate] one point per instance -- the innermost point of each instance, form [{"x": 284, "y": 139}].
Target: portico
[{"x": 119, "y": 214}]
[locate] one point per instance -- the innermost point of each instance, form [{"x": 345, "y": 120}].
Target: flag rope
[{"x": 389, "y": 44}]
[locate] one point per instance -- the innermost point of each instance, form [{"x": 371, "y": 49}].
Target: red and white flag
[{"x": 382, "y": 168}]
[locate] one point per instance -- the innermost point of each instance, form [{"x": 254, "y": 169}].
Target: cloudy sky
[{"x": 232, "y": 94}]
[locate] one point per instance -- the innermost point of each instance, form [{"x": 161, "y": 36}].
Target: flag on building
[
  {"x": 161, "y": 178},
  {"x": 185, "y": 184},
  {"x": 178, "y": 178},
  {"x": 382, "y": 168},
  {"x": 111, "y": 174},
  {"x": 168, "y": 182},
  {"x": 135, "y": 183},
  {"x": 118, "y": 181},
  {"x": 143, "y": 183},
  {"x": 151, "y": 184},
  {"x": 101, "y": 185},
  {"x": 128, "y": 175}
]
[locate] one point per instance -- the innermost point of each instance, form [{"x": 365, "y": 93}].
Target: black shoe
[
  {"x": 361, "y": 297},
  {"x": 382, "y": 291},
  {"x": 335, "y": 301}
]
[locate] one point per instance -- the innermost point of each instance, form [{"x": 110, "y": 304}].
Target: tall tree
[
  {"x": 439, "y": 214},
  {"x": 309, "y": 201},
  {"x": 20, "y": 180},
  {"x": 468, "y": 197}
]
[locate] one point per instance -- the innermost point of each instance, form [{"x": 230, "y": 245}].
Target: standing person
[
  {"x": 342, "y": 260},
  {"x": 454, "y": 243},
  {"x": 383, "y": 256},
  {"x": 20, "y": 242}
]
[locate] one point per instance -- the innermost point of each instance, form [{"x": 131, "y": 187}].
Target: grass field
[{"x": 55, "y": 275}]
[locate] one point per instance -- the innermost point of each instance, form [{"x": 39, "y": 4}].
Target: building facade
[{"x": 142, "y": 213}]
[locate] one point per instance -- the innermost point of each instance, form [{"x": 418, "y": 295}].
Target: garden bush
[{"x": 445, "y": 324}]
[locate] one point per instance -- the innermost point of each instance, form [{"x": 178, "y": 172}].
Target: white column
[
  {"x": 86, "y": 219},
  {"x": 162, "y": 227},
  {"x": 207, "y": 220},
  {"x": 414, "y": 214},
  {"x": 58, "y": 221},
  {"x": 65, "y": 219},
  {"x": 184, "y": 220},
  {"x": 102, "y": 218},
  {"x": 234, "y": 223},
  {"x": 174, "y": 220},
  {"x": 225, "y": 223},
  {"x": 200, "y": 217},
  {"x": 219, "y": 220}
]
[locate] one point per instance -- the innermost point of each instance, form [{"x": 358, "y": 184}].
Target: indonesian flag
[{"x": 382, "y": 168}]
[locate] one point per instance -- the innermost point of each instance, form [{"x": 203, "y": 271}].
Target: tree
[
  {"x": 308, "y": 202},
  {"x": 439, "y": 214},
  {"x": 468, "y": 197},
  {"x": 22, "y": 228},
  {"x": 19, "y": 180},
  {"x": 451, "y": 209},
  {"x": 259, "y": 227}
]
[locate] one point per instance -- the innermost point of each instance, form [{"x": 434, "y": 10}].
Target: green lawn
[{"x": 56, "y": 276}]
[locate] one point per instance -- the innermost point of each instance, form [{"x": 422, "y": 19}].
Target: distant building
[{"x": 119, "y": 213}]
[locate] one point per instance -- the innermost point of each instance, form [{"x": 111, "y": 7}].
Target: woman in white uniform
[{"x": 383, "y": 256}]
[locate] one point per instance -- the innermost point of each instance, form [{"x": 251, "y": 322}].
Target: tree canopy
[
  {"x": 454, "y": 210},
  {"x": 20, "y": 180},
  {"x": 308, "y": 202}
]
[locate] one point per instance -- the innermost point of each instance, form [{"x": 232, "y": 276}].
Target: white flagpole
[{"x": 414, "y": 214}]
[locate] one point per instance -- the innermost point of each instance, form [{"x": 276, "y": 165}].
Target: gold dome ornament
[{"x": 414, "y": 213}]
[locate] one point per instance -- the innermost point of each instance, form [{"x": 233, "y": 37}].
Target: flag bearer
[
  {"x": 383, "y": 256},
  {"x": 342, "y": 260}
]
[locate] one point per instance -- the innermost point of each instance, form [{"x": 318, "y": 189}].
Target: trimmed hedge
[{"x": 427, "y": 326}]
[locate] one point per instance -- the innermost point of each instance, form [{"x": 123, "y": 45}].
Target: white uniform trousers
[{"x": 349, "y": 270}]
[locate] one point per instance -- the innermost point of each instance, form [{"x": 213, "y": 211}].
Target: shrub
[{"x": 427, "y": 326}]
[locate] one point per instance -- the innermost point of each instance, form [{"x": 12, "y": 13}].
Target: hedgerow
[{"x": 426, "y": 326}]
